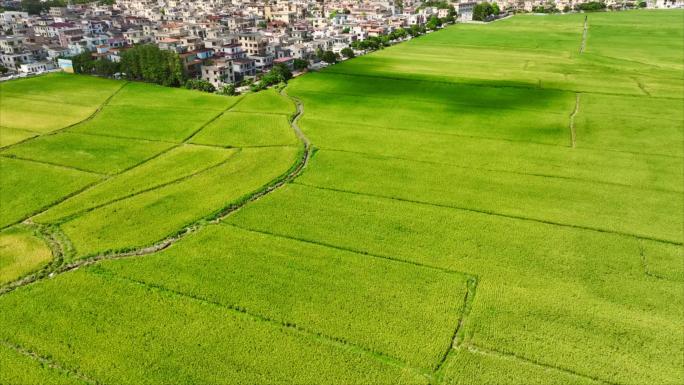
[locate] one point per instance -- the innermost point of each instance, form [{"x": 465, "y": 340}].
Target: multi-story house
[
  {"x": 253, "y": 44},
  {"x": 218, "y": 72}
]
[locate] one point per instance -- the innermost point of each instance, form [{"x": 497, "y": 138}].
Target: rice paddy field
[{"x": 493, "y": 203}]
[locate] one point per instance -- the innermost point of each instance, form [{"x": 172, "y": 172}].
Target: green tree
[
  {"x": 347, "y": 52},
  {"x": 451, "y": 15},
  {"x": 592, "y": 6},
  {"x": 433, "y": 23},
  {"x": 329, "y": 57},
  {"x": 200, "y": 85},
  {"x": 148, "y": 63},
  {"x": 228, "y": 90},
  {"x": 300, "y": 64},
  {"x": 282, "y": 72},
  {"x": 482, "y": 11}
]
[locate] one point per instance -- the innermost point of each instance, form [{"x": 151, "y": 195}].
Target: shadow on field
[{"x": 481, "y": 93}]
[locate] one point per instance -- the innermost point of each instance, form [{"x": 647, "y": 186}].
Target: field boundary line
[
  {"x": 56, "y": 202},
  {"x": 506, "y": 140},
  {"x": 585, "y": 30},
  {"x": 648, "y": 272},
  {"x": 59, "y": 249},
  {"x": 283, "y": 114},
  {"x": 493, "y": 213},
  {"x": 21, "y": 129},
  {"x": 569, "y": 178},
  {"x": 183, "y": 178},
  {"x": 18, "y": 157},
  {"x": 573, "y": 134},
  {"x": 122, "y": 137},
  {"x": 293, "y": 172},
  {"x": 212, "y": 120},
  {"x": 641, "y": 86},
  {"x": 255, "y": 316},
  {"x": 243, "y": 147},
  {"x": 473, "y": 348},
  {"x": 471, "y": 287},
  {"x": 47, "y": 361},
  {"x": 11, "y": 156},
  {"x": 350, "y": 250}
]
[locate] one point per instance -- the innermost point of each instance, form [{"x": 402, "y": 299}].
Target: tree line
[
  {"x": 150, "y": 64},
  {"x": 144, "y": 62},
  {"x": 36, "y": 7}
]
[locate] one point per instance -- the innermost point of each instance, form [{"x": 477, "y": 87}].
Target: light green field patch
[
  {"x": 148, "y": 217},
  {"x": 238, "y": 129},
  {"x": 18, "y": 368},
  {"x": 663, "y": 261},
  {"x": 178, "y": 164},
  {"x": 89, "y": 91},
  {"x": 40, "y": 116},
  {"x": 627, "y": 124},
  {"x": 399, "y": 309},
  {"x": 267, "y": 101},
  {"x": 88, "y": 152},
  {"x": 639, "y": 170},
  {"x": 9, "y": 136},
  {"x": 466, "y": 367},
  {"x": 143, "y": 122},
  {"x": 154, "y": 96},
  {"x": 551, "y": 294},
  {"x": 178, "y": 338},
  {"x": 28, "y": 187},
  {"x": 656, "y": 214},
  {"x": 21, "y": 252}
]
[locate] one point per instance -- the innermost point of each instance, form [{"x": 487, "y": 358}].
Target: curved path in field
[{"x": 59, "y": 244}]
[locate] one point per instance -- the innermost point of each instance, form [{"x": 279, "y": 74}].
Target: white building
[{"x": 36, "y": 67}]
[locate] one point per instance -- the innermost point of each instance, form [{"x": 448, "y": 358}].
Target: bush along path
[{"x": 62, "y": 249}]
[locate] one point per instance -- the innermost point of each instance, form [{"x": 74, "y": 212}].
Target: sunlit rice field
[{"x": 486, "y": 204}]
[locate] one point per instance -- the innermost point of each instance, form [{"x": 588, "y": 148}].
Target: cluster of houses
[{"x": 221, "y": 41}]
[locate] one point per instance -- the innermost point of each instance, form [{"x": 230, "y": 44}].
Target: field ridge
[
  {"x": 497, "y": 214},
  {"x": 294, "y": 171}
]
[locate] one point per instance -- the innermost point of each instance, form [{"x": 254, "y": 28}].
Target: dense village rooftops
[{"x": 62, "y": 25}]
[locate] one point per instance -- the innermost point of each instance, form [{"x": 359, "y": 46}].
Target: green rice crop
[
  {"x": 88, "y": 152},
  {"x": 200, "y": 342},
  {"x": 152, "y": 123},
  {"x": 493, "y": 203},
  {"x": 268, "y": 101},
  {"x": 21, "y": 252},
  {"x": 9, "y": 136},
  {"x": 152, "y": 215},
  {"x": 238, "y": 129},
  {"x": 173, "y": 166},
  {"x": 28, "y": 187},
  {"x": 402, "y": 310},
  {"x": 19, "y": 368}
]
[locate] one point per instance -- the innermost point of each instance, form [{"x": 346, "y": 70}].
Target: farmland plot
[{"x": 485, "y": 204}]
